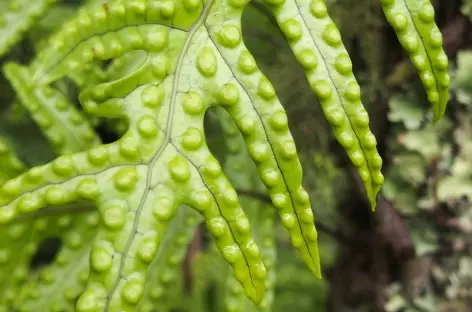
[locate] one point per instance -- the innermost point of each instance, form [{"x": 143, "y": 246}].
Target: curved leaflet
[
  {"x": 261, "y": 216},
  {"x": 250, "y": 99},
  {"x": 413, "y": 22},
  {"x": 62, "y": 124},
  {"x": 317, "y": 45}
]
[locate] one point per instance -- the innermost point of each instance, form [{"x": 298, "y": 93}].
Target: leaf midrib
[{"x": 167, "y": 138}]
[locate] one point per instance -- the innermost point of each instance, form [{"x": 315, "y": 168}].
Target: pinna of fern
[{"x": 195, "y": 58}]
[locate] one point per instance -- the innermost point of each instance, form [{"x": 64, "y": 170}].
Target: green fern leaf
[
  {"x": 413, "y": 22},
  {"x": 317, "y": 45},
  {"x": 63, "y": 125},
  {"x": 210, "y": 271},
  {"x": 260, "y": 215}
]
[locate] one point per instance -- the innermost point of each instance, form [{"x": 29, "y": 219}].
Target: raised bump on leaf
[
  {"x": 413, "y": 22},
  {"x": 18, "y": 17},
  {"x": 91, "y": 75},
  {"x": 317, "y": 45}
]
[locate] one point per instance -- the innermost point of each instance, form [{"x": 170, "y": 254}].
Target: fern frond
[
  {"x": 188, "y": 174},
  {"x": 262, "y": 120},
  {"x": 62, "y": 124},
  {"x": 164, "y": 288},
  {"x": 413, "y": 22},
  {"x": 317, "y": 45},
  {"x": 243, "y": 175},
  {"x": 210, "y": 272},
  {"x": 18, "y": 17}
]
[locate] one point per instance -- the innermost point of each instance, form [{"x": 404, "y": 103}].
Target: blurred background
[{"x": 415, "y": 252}]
